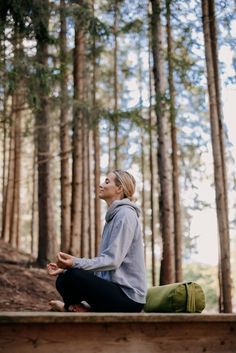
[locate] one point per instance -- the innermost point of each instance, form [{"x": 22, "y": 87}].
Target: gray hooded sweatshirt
[{"x": 121, "y": 256}]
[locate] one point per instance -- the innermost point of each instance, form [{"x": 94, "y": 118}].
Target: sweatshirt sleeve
[{"x": 113, "y": 255}]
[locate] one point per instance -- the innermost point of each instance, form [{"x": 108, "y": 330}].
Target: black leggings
[{"x": 76, "y": 285}]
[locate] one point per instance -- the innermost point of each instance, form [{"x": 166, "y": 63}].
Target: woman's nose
[{"x": 102, "y": 183}]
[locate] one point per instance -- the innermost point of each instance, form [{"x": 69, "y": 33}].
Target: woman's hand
[
  {"x": 64, "y": 260},
  {"x": 53, "y": 269}
]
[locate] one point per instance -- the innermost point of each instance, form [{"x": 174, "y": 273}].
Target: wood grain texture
[
  {"x": 116, "y": 333},
  {"x": 56, "y": 317}
]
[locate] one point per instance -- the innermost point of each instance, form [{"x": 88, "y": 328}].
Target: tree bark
[
  {"x": 12, "y": 196},
  {"x": 47, "y": 237},
  {"x": 167, "y": 274},
  {"x": 111, "y": 165},
  {"x": 17, "y": 108},
  {"x": 96, "y": 147},
  {"x": 97, "y": 205},
  {"x": 5, "y": 125},
  {"x": 153, "y": 174},
  {"x": 214, "y": 48},
  {"x": 175, "y": 166},
  {"x": 34, "y": 226},
  {"x": 85, "y": 191},
  {"x": 91, "y": 194},
  {"x": 4, "y": 171},
  {"x": 210, "y": 39},
  {"x": 143, "y": 193},
  {"x": 140, "y": 74},
  {"x": 77, "y": 143},
  {"x": 116, "y": 118},
  {"x": 9, "y": 187},
  {"x": 64, "y": 138},
  {"x": 15, "y": 211}
]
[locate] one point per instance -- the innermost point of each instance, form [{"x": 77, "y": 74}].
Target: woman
[{"x": 115, "y": 280}]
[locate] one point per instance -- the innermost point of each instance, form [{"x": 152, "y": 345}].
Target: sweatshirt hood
[{"x": 116, "y": 205}]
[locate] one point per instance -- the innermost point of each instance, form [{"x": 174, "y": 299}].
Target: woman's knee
[
  {"x": 71, "y": 274},
  {"x": 60, "y": 281},
  {"x": 64, "y": 278},
  {"x": 70, "y": 277}
]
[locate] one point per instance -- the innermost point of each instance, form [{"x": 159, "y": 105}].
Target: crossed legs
[{"x": 77, "y": 285}]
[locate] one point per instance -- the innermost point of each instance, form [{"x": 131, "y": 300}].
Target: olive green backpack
[{"x": 186, "y": 297}]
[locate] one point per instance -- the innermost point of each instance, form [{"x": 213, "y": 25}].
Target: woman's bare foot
[
  {"x": 79, "y": 308},
  {"x": 57, "y": 305}
]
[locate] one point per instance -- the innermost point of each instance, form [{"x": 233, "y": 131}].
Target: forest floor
[{"x": 23, "y": 287}]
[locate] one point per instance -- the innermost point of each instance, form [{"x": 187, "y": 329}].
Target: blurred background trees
[{"x": 89, "y": 86}]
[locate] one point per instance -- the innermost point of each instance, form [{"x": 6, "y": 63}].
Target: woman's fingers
[
  {"x": 60, "y": 261},
  {"x": 53, "y": 269},
  {"x": 54, "y": 273},
  {"x": 59, "y": 258},
  {"x": 64, "y": 260},
  {"x": 64, "y": 256},
  {"x": 52, "y": 265}
]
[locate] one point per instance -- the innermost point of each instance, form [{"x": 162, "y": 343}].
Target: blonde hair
[{"x": 127, "y": 181}]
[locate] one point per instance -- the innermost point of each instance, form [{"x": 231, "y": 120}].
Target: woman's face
[{"x": 108, "y": 190}]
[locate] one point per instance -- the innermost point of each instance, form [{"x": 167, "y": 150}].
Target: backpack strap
[{"x": 191, "y": 297}]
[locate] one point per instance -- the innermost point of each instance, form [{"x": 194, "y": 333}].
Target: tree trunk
[
  {"x": 47, "y": 238},
  {"x": 85, "y": 192},
  {"x": 9, "y": 187},
  {"x": 210, "y": 39},
  {"x": 214, "y": 49},
  {"x": 96, "y": 148},
  {"x": 143, "y": 193},
  {"x": 140, "y": 74},
  {"x": 4, "y": 170},
  {"x": 153, "y": 173},
  {"x": 167, "y": 274},
  {"x": 15, "y": 211},
  {"x": 12, "y": 195},
  {"x": 175, "y": 166},
  {"x": 77, "y": 167},
  {"x": 17, "y": 108},
  {"x": 86, "y": 177},
  {"x": 4, "y": 122},
  {"x": 64, "y": 138},
  {"x": 110, "y": 148},
  {"x": 97, "y": 205},
  {"x": 116, "y": 118},
  {"x": 33, "y": 228},
  {"x": 91, "y": 194}
]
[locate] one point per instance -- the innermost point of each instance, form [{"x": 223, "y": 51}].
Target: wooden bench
[{"x": 28, "y": 332}]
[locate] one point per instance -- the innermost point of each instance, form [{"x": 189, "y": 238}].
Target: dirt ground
[{"x": 23, "y": 287}]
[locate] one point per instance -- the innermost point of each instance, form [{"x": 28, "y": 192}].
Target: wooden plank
[
  {"x": 47, "y": 317},
  {"x": 117, "y": 333}
]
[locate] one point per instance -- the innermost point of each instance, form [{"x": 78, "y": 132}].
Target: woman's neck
[{"x": 109, "y": 202}]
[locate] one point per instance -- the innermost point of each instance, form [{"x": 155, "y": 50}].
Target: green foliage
[
  {"x": 28, "y": 17},
  {"x": 82, "y": 13},
  {"x": 132, "y": 115},
  {"x": 40, "y": 17},
  {"x": 97, "y": 28},
  {"x": 135, "y": 26},
  {"x": 18, "y": 9}
]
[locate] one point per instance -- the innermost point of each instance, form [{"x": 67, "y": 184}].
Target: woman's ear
[{"x": 120, "y": 189}]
